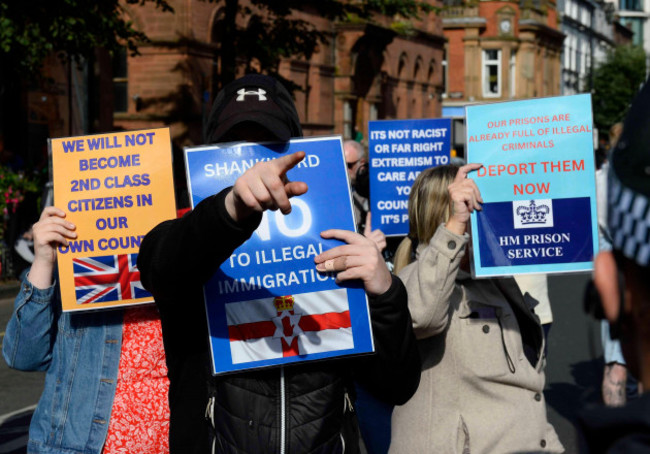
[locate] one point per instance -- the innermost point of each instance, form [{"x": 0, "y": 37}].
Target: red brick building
[
  {"x": 364, "y": 72},
  {"x": 498, "y": 51}
]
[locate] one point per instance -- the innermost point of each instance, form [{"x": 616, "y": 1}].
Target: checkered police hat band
[{"x": 629, "y": 221}]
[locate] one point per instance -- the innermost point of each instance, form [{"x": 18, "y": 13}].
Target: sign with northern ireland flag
[
  {"x": 538, "y": 185},
  {"x": 267, "y": 305}
]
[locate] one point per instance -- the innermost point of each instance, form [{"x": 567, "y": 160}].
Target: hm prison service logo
[{"x": 530, "y": 214}]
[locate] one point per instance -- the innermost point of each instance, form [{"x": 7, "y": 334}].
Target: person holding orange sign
[{"x": 106, "y": 379}]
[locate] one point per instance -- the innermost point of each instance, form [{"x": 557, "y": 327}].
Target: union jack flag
[{"x": 107, "y": 278}]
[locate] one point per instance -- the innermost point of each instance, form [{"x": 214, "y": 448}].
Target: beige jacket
[{"x": 478, "y": 392}]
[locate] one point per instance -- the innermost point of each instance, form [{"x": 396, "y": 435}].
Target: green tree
[
  {"x": 271, "y": 32},
  {"x": 32, "y": 30},
  {"x": 615, "y": 83}
]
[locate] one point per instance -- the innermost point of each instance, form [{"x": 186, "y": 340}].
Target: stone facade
[{"x": 501, "y": 50}]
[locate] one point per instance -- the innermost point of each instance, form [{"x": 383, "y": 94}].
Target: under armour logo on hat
[
  {"x": 239, "y": 102},
  {"x": 260, "y": 93}
]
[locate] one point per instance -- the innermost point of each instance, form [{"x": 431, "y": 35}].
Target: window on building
[
  {"x": 631, "y": 5},
  {"x": 418, "y": 67},
  {"x": 491, "y": 73},
  {"x": 401, "y": 65},
  {"x": 120, "y": 82},
  {"x": 444, "y": 74},
  {"x": 513, "y": 73},
  {"x": 636, "y": 25},
  {"x": 373, "y": 113},
  {"x": 347, "y": 120}
]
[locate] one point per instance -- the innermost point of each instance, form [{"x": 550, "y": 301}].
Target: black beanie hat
[{"x": 253, "y": 98}]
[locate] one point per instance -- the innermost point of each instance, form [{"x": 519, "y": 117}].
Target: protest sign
[
  {"x": 267, "y": 305},
  {"x": 398, "y": 151},
  {"x": 537, "y": 184},
  {"x": 115, "y": 188}
]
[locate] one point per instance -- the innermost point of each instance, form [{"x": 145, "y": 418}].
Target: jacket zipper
[
  {"x": 283, "y": 415},
  {"x": 209, "y": 414}
]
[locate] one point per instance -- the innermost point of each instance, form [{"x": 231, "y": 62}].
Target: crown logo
[
  {"x": 533, "y": 214},
  {"x": 283, "y": 303}
]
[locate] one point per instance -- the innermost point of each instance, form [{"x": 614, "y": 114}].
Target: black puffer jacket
[{"x": 296, "y": 409}]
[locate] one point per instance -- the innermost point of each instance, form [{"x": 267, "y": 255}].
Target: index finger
[
  {"x": 288, "y": 162},
  {"x": 348, "y": 236},
  {"x": 52, "y": 211},
  {"x": 467, "y": 168},
  {"x": 368, "y": 228}
]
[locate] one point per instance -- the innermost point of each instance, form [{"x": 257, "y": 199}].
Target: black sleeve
[
  {"x": 392, "y": 374},
  {"x": 186, "y": 252}
]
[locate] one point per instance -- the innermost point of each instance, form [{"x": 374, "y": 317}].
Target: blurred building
[
  {"x": 498, "y": 51},
  {"x": 364, "y": 72},
  {"x": 635, "y": 15},
  {"x": 592, "y": 29}
]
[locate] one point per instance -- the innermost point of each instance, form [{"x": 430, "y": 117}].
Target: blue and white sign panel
[
  {"x": 399, "y": 151},
  {"x": 538, "y": 186},
  {"x": 267, "y": 305}
]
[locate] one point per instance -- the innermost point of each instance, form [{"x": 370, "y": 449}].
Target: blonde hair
[{"x": 428, "y": 208}]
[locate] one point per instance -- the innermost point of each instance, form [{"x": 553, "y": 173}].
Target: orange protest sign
[{"x": 115, "y": 188}]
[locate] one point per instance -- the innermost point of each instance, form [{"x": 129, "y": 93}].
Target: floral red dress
[{"x": 140, "y": 416}]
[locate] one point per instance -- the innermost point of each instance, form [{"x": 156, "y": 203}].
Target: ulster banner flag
[
  {"x": 107, "y": 278},
  {"x": 291, "y": 325}
]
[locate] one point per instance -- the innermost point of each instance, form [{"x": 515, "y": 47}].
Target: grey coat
[{"x": 478, "y": 392}]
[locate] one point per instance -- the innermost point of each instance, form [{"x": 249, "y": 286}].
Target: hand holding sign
[
  {"x": 464, "y": 198},
  {"x": 51, "y": 231},
  {"x": 265, "y": 187},
  {"x": 359, "y": 259}
]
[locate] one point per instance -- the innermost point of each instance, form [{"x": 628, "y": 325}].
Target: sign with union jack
[
  {"x": 267, "y": 305},
  {"x": 107, "y": 278},
  {"x": 114, "y": 187}
]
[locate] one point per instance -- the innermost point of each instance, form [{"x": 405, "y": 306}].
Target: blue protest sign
[
  {"x": 537, "y": 183},
  {"x": 267, "y": 305},
  {"x": 398, "y": 151}
]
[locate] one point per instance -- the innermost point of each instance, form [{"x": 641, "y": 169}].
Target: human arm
[
  {"x": 190, "y": 249},
  {"x": 430, "y": 279},
  {"x": 392, "y": 373},
  {"x": 31, "y": 331}
]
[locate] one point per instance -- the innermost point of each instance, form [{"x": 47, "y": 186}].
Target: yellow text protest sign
[{"x": 115, "y": 188}]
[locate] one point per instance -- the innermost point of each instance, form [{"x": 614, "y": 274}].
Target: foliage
[
  {"x": 13, "y": 188},
  {"x": 272, "y": 31},
  {"x": 32, "y": 30},
  {"x": 615, "y": 83}
]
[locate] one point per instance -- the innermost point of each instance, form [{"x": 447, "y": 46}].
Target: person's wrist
[
  {"x": 237, "y": 210},
  {"x": 40, "y": 274},
  {"x": 456, "y": 226}
]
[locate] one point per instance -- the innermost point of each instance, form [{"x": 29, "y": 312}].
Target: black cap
[
  {"x": 254, "y": 98},
  {"x": 629, "y": 183}
]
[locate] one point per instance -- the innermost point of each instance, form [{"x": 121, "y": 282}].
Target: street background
[{"x": 573, "y": 373}]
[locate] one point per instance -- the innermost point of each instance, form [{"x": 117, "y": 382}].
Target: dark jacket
[
  {"x": 176, "y": 258},
  {"x": 616, "y": 430}
]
